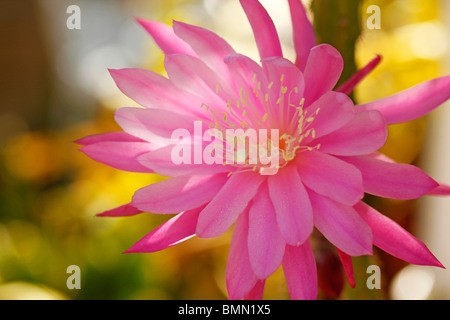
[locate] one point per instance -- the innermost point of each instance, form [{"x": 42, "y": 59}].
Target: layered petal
[
  {"x": 118, "y": 150},
  {"x": 176, "y": 230},
  {"x": 348, "y": 86},
  {"x": 412, "y": 103},
  {"x": 165, "y": 38},
  {"x": 392, "y": 238},
  {"x": 266, "y": 35},
  {"x": 209, "y": 47},
  {"x": 341, "y": 225},
  {"x": 300, "y": 270},
  {"x": 364, "y": 134},
  {"x": 292, "y": 205},
  {"x": 347, "y": 263},
  {"x": 303, "y": 33},
  {"x": 322, "y": 72},
  {"x": 392, "y": 180},
  {"x": 441, "y": 190},
  {"x": 178, "y": 194},
  {"x": 322, "y": 173},
  {"x": 265, "y": 242},
  {"x": 240, "y": 279},
  {"x": 228, "y": 204}
]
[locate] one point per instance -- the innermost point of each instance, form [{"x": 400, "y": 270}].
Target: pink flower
[{"x": 327, "y": 153}]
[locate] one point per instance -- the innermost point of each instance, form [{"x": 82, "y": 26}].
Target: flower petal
[
  {"x": 303, "y": 33},
  {"x": 412, "y": 103},
  {"x": 322, "y": 173},
  {"x": 209, "y": 47},
  {"x": 257, "y": 292},
  {"x": 348, "y": 86},
  {"x": 240, "y": 279},
  {"x": 176, "y": 230},
  {"x": 165, "y": 38},
  {"x": 292, "y": 205},
  {"x": 125, "y": 210},
  {"x": 118, "y": 150},
  {"x": 341, "y": 225},
  {"x": 347, "y": 263},
  {"x": 152, "y": 90},
  {"x": 228, "y": 204},
  {"x": 441, "y": 190},
  {"x": 266, "y": 35},
  {"x": 265, "y": 242},
  {"x": 300, "y": 270},
  {"x": 365, "y": 134},
  {"x": 178, "y": 194},
  {"x": 392, "y": 238},
  {"x": 322, "y": 72},
  {"x": 392, "y": 180}
]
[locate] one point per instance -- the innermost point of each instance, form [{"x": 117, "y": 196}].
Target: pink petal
[
  {"x": 266, "y": 35},
  {"x": 176, "y": 230},
  {"x": 154, "y": 125},
  {"x": 322, "y": 71},
  {"x": 303, "y": 33},
  {"x": 210, "y": 48},
  {"x": 194, "y": 76},
  {"x": 392, "y": 238},
  {"x": 392, "y": 180},
  {"x": 178, "y": 194},
  {"x": 366, "y": 133},
  {"x": 240, "y": 279},
  {"x": 347, "y": 263},
  {"x": 348, "y": 86},
  {"x": 341, "y": 225},
  {"x": 441, "y": 190},
  {"x": 412, "y": 103},
  {"x": 152, "y": 90},
  {"x": 165, "y": 38},
  {"x": 160, "y": 161},
  {"x": 300, "y": 270},
  {"x": 123, "y": 211},
  {"x": 228, "y": 204},
  {"x": 292, "y": 205},
  {"x": 118, "y": 150},
  {"x": 331, "y": 112},
  {"x": 257, "y": 292},
  {"x": 330, "y": 177},
  {"x": 265, "y": 242}
]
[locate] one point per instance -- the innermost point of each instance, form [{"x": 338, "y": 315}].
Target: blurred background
[{"x": 55, "y": 89}]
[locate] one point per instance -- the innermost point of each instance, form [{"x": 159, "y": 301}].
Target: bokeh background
[{"x": 55, "y": 88}]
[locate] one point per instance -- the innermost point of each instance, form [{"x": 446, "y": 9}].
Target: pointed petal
[
  {"x": 347, "y": 263},
  {"x": 240, "y": 279},
  {"x": 348, "y": 86},
  {"x": 292, "y": 205},
  {"x": 341, "y": 225},
  {"x": 365, "y": 134},
  {"x": 228, "y": 204},
  {"x": 266, "y": 35},
  {"x": 123, "y": 211},
  {"x": 176, "y": 230},
  {"x": 303, "y": 33},
  {"x": 322, "y": 71},
  {"x": 118, "y": 150},
  {"x": 412, "y": 103},
  {"x": 210, "y": 48},
  {"x": 392, "y": 180},
  {"x": 257, "y": 292},
  {"x": 331, "y": 177},
  {"x": 265, "y": 242},
  {"x": 300, "y": 270},
  {"x": 441, "y": 190},
  {"x": 152, "y": 90},
  {"x": 165, "y": 38},
  {"x": 178, "y": 194},
  {"x": 392, "y": 238}
]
